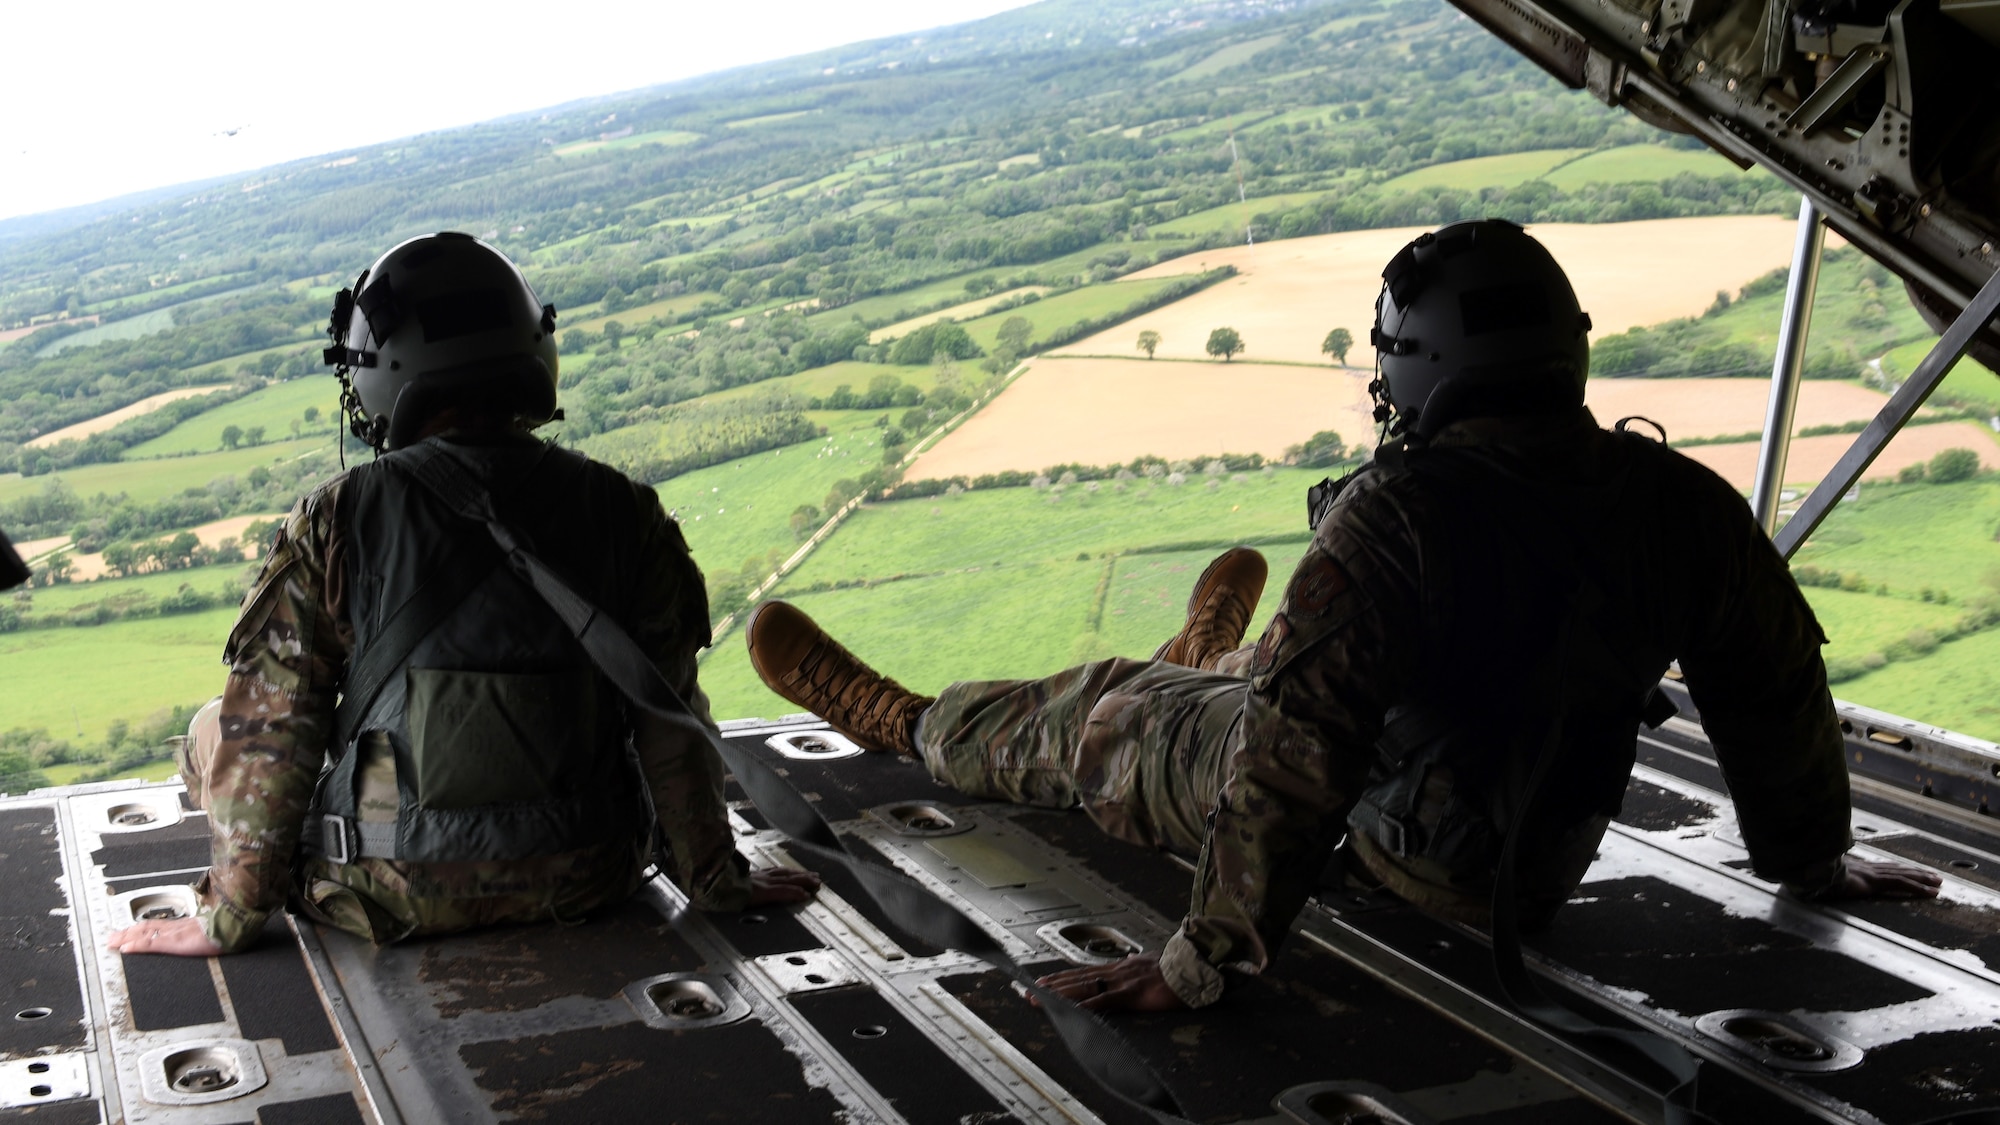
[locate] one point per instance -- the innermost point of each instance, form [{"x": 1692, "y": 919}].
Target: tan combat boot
[
  {"x": 1224, "y": 598},
  {"x": 799, "y": 661}
]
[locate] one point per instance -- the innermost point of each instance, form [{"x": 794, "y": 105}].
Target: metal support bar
[
  {"x": 1839, "y": 89},
  {"x": 1789, "y": 365},
  {"x": 1901, "y": 405}
]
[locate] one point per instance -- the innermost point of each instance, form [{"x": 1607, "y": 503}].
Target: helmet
[
  {"x": 1477, "y": 319},
  {"x": 434, "y": 321}
]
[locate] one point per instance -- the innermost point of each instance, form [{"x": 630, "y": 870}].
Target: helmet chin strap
[{"x": 372, "y": 432}]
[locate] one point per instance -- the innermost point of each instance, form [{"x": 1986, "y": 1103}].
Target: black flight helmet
[
  {"x": 440, "y": 320},
  {"x": 1476, "y": 319}
]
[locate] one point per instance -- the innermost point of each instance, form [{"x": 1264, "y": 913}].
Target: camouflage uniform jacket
[
  {"x": 287, "y": 655},
  {"x": 1686, "y": 573}
]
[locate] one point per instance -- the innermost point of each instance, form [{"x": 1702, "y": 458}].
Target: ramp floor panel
[{"x": 824, "y": 1012}]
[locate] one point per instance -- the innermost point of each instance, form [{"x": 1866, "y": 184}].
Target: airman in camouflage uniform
[
  {"x": 534, "y": 809},
  {"x": 254, "y": 756},
  {"x": 1508, "y": 583}
]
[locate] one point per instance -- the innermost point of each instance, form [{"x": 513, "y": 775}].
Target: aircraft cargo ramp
[{"x": 1869, "y": 1012}]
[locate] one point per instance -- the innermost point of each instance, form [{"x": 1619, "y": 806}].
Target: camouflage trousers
[
  {"x": 386, "y": 900},
  {"x": 1142, "y": 746}
]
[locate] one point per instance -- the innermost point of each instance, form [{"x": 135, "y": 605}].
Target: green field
[
  {"x": 1859, "y": 623},
  {"x": 274, "y": 407},
  {"x": 1064, "y": 309},
  {"x": 158, "y": 479},
  {"x": 966, "y": 601},
  {"x": 1957, "y": 687},
  {"x": 667, "y": 308},
  {"x": 1232, "y": 217},
  {"x": 966, "y": 311},
  {"x": 131, "y": 328},
  {"x": 1912, "y": 536},
  {"x": 668, "y": 137},
  {"x": 1236, "y": 54},
  {"x": 766, "y": 119},
  {"x": 821, "y": 381},
  {"x": 891, "y": 307},
  {"x": 1484, "y": 171},
  {"x": 82, "y": 678},
  {"x": 1969, "y": 382},
  {"x": 742, "y": 509},
  {"x": 69, "y": 772},
  {"x": 1633, "y": 164},
  {"x": 204, "y": 578}
]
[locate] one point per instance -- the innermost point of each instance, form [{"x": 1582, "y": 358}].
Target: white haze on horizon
[{"x": 104, "y": 100}]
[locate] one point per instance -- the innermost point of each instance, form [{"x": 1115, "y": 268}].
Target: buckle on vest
[
  {"x": 337, "y": 838},
  {"x": 1395, "y": 835}
]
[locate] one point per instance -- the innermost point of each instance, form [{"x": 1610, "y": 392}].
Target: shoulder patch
[{"x": 1317, "y": 583}]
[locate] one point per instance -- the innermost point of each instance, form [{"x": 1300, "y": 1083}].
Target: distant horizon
[{"x": 128, "y": 126}]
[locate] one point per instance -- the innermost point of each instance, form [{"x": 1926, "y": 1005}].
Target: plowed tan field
[
  {"x": 104, "y": 422},
  {"x": 1714, "y": 407},
  {"x": 1102, "y": 411},
  {"x": 1292, "y": 292},
  {"x": 1811, "y": 458}
]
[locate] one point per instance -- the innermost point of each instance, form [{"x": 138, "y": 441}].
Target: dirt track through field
[
  {"x": 1811, "y": 458},
  {"x": 1292, "y": 292},
  {"x": 104, "y": 422},
  {"x": 1102, "y": 411}
]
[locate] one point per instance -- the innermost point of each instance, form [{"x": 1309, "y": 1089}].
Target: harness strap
[{"x": 1101, "y": 1051}]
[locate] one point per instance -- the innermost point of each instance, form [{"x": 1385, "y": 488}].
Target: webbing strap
[{"x": 1101, "y": 1051}]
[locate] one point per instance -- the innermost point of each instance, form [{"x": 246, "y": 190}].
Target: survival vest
[
  {"x": 508, "y": 743},
  {"x": 1525, "y": 612}
]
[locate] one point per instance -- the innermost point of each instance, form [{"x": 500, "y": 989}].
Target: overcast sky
[{"x": 107, "y": 98}]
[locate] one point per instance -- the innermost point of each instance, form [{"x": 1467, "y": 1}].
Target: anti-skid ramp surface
[{"x": 824, "y": 1012}]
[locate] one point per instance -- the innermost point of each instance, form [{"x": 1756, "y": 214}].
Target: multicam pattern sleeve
[
  {"x": 670, "y": 621},
  {"x": 1337, "y": 653},
  {"x": 285, "y": 657}
]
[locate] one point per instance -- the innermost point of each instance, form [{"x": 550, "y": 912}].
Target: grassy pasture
[
  {"x": 131, "y": 328},
  {"x": 632, "y": 316},
  {"x": 743, "y": 508},
  {"x": 1231, "y": 216},
  {"x": 1066, "y": 309},
  {"x": 273, "y": 407},
  {"x": 821, "y": 381},
  {"x": 204, "y": 578},
  {"x": 1957, "y": 687},
  {"x": 974, "y": 605},
  {"x": 1910, "y": 536},
  {"x": 157, "y": 479},
  {"x": 1970, "y": 381},
  {"x": 218, "y": 369},
  {"x": 667, "y": 137},
  {"x": 988, "y": 527},
  {"x": 766, "y": 119},
  {"x": 1485, "y": 171},
  {"x": 70, "y": 678},
  {"x": 1641, "y": 163},
  {"x": 1858, "y": 623},
  {"x": 890, "y": 307},
  {"x": 967, "y": 310},
  {"x": 1236, "y": 54}
]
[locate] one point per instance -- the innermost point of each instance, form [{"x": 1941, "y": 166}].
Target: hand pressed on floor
[
  {"x": 1134, "y": 984},
  {"x": 1865, "y": 878},
  {"x": 180, "y": 937},
  {"x": 774, "y": 886}
]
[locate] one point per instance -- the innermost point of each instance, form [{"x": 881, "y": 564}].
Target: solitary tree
[
  {"x": 232, "y": 436},
  {"x": 253, "y": 436},
  {"x": 1336, "y": 345},
  {"x": 1225, "y": 342},
  {"x": 613, "y": 332},
  {"x": 1014, "y": 334},
  {"x": 312, "y": 415},
  {"x": 1149, "y": 340}
]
